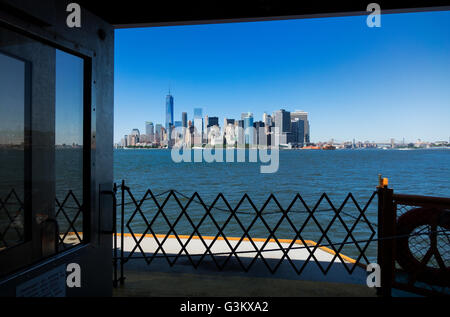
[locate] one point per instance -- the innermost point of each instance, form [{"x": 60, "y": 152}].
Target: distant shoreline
[{"x": 294, "y": 149}]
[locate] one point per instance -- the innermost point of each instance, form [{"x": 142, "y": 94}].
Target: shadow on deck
[{"x": 183, "y": 280}]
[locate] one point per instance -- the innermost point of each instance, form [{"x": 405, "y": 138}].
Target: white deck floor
[{"x": 312, "y": 272}]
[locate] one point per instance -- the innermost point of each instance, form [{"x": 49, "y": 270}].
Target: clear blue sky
[{"x": 355, "y": 81}]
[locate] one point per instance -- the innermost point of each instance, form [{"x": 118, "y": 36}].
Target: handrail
[{"x": 416, "y": 200}]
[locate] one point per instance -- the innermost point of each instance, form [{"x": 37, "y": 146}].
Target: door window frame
[{"x": 17, "y": 255}]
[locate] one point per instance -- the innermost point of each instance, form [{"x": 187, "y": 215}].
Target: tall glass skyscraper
[
  {"x": 302, "y": 115},
  {"x": 198, "y": 125},
  {"x": 198, "y": 113},
  {"x": 169, "y": 114},
  {"x": 297, "y": 135},
  {"x": 248, "y": 127},
  {"x": 184, "y": 119},
  {"x": 158, "y": 133},
  {"x": 150, "y": 130},
  {"x": 282, "y": 119}
]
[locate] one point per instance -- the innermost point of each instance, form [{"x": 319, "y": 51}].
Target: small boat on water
[
  {"x": 311, "y": 147},
  {"x": 328, "y": 147}
]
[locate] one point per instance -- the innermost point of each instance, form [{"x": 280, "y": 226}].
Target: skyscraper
[
  {"x": 136, "y": 133},
  {"x": 302, "y": 115},
  {"x": 240, "y": 132},
  {"x": 184, "y": 119},
  {"x": 169, "y": 113},
  {"x": 177, "y": 132},
  {"x": 259, "y": 133},
  {"x": 298, "y": 132},
  {"x": 282, "y": 120},
  {"x": 158, "y": 133},
  {"x": 267, "y": 119},
  {"x": 135, "y": 136},
  {"x": 198, "y": 113},
  {"x": 212, "y": 121},
  {"x": 248, "y": 127},
  {"x": 198, "y": 126},
  {"x": 227, "y": 121},
  {"x": 150, "y": 131}
]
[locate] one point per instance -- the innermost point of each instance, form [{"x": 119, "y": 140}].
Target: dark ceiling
[{"x": 147, "y": 12}]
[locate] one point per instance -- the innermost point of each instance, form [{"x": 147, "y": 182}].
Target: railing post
[
  {"x": 386, "y": 231},
  {"x": 110, "y": 230},
  {"x": 122, "y": 229},
  {"x": 115, "y": 232}
]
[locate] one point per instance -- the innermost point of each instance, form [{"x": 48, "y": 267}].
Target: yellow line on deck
[{"x": 309, "y": 242}]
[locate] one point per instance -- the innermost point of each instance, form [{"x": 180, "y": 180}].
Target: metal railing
[
  {"x": 11, "y": 215},
  {"x": 68, "y": 218},
  {"x": 245, "y": 219},
  {"x": 417, "y": 258},
  {"x": 410, "y": 239},
  {"x": 388, "y": 239}
]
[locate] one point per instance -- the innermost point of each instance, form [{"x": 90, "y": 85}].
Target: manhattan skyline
[{"x": 354, "y": 81}]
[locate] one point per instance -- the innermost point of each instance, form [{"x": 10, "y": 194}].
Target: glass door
[
  {"x": 15, "y": 154},
  {"x": 42, "y": 153}
]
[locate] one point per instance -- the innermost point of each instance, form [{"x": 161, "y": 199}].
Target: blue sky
[{"x": 355, "y": 81}]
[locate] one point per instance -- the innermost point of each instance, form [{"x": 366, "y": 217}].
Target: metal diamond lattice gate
[
  {"x": 171, "y": 226},
  {"x": 169, "y": 218}
]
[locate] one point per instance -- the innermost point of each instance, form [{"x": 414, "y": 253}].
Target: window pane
[
  {"x": 69, "y": 147},
  {"x": 12, "y": 150},
  {"x": 41, "y": 150}
]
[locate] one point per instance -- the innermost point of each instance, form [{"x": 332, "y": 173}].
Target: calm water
[{"x": 309, "y": 173}]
